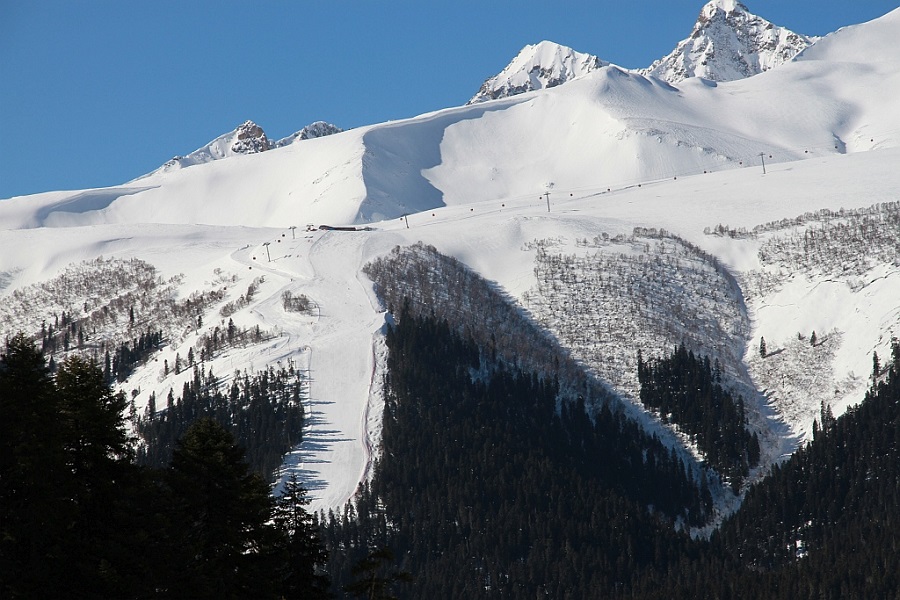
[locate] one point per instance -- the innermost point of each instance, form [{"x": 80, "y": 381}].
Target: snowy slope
[
  {"x": 728, "y": 43},
  {"x": 605, "y": 129},
  {"x": 317, "y": 180},
  {"x": 615, "y": 151},
  {"x": 339, "y": 343}
]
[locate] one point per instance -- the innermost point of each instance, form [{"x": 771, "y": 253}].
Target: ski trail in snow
[{"x": 336, "y": 451}]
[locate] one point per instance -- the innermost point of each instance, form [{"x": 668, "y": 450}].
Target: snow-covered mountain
[
  {"x": 247, "y": 138},
  {"x": 637, "y": 207},
  {"x": 536, "y": 67},
  {"x": 727, "y": 43}
]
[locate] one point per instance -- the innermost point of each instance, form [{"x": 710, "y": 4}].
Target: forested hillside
[
  {"x": 497, "y": 477},
  {"x": 80, "y": 519},
  {"x": 821, "y": 525},
  {"x": 491, "y": 485},
  {"x": 687, "y": 390},
  {"x": 264, "y": 412},
  {"x": 488, "y": 487}
]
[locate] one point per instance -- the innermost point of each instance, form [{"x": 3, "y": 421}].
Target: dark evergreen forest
[
  {"x": 489, "y": 487},
  {"x": 687, "y": 390},
  {"x": 823, "y": 524}
]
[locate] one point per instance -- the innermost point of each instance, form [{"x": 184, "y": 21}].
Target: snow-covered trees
[
  {"x": 233, "y": 306},
  {"x": 292, "y": 303},
  {"x": 263, "y": 410},
  {"x": 441, "y": 286},
  {"x": 844, "y": 245},
  {"x": 650, "y": 291}
]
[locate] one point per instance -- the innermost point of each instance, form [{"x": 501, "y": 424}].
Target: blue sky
[{"x": 97, "y": 92}]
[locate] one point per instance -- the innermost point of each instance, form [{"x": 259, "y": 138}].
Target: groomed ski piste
[{"x": 599, "y": 156}]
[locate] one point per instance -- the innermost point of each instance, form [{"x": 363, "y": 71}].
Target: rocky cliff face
[
  {"x": 727, "y": 43},
  {"x": 249, "y": 138}
]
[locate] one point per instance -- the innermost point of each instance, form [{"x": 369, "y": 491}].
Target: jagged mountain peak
[
  {"x": 246, "y": 138},
  {"x": 313, "y": 130},
  {"x": 249, "y": 139},
  {"x": 537, "y": 66},
  {"x": 726, "y": 6},
  {"x": 729, "y": 42}
]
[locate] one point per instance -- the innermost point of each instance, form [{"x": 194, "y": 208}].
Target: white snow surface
[{"x": 615, "y": 150}]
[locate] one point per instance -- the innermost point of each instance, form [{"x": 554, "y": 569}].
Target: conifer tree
[
  {"x": 229, "y": 546},
  {"x": 98, "y": 456},
  {"x": 305, "y": 553},
  {"x": 375, "y": 576},
  {"x": 93, "y": 417},
  {"x": 32, "y": 473}
]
